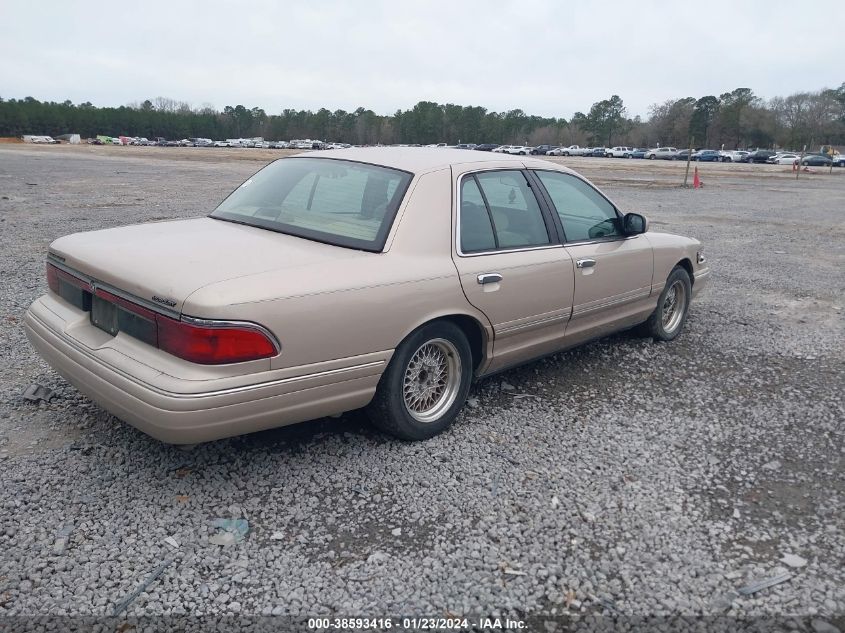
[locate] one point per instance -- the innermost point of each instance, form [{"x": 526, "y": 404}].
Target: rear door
[
  {"x": 511, "y": 263},
  {"x": 613, "y": 272}
]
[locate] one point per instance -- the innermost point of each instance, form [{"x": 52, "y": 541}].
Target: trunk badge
[{"x": 168, "y": 302}]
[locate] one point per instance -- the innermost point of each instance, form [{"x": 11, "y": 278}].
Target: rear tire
[
  {"x": 425, "y": 384},
  {"x": 667, "y": 320}
]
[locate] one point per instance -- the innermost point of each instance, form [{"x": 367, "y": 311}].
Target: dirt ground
[{"x": 637, "y": 478}]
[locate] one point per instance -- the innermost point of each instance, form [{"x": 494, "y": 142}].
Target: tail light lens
[
  {"x": 206, "y": 342},
  {"x": 56, "y": 275},
  {"x": 72, "y": 289},
  {"x": 53, "y": 278},
  {"x": 212, "y": 343}
]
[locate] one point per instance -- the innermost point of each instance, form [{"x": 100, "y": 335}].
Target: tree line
[{"x": 734, "y": 119}]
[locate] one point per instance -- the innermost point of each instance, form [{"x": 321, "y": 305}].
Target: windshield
[{"x": 334, "y": 201}]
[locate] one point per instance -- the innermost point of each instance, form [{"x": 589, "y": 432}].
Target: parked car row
[
  {"x": 811, "y": 159},
  {"x": 620, "y": 151},
  {"x": 742, "y": 156},
  {"x": 259, "y": 143},
  {"x": 672, "y": 153}
]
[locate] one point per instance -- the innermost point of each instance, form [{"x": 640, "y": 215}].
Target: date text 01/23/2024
[{"x": 415, "y": 624}]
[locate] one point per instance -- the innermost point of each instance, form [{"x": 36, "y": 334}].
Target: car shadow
[
  {"x": 350, "y": 424},
  {"x": 497, "y": 390}
]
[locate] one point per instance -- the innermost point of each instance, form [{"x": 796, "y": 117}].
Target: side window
[
  {"x": 476, "y": 229},
  {"x": 517, "y": 219},
  {"x": 583, "y": 211}
]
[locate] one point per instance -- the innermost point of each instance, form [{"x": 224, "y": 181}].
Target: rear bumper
[{"x": 189, "y": 417}]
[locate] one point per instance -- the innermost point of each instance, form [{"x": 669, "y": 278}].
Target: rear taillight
[
  {"x": 56, "y": 275},
  {"x": 53, "y": 278},
  {"x": 200, "y": 341},
  {"x": 213, "y": 342},
  {"x": 72, "y": 289}
]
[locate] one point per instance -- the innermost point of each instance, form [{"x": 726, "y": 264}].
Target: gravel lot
[{"x": 623, "y": 478}]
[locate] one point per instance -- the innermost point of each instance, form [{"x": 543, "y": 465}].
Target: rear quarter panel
[{"x": 366, "y": 305}]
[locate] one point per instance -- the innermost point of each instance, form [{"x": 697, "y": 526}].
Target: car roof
[{"x": 420, "y": 160}]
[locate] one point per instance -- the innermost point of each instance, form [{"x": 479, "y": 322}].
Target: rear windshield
[{"x": 334, "y": 201}]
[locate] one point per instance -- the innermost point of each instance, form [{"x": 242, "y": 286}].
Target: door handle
[
  {"x": 585, "y": 263},
  {"x": 489, "y": 278}
]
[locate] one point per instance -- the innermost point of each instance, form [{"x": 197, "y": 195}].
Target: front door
[
  {"x": 511, "y": 265},
  {"x": 613, "y": 272}
]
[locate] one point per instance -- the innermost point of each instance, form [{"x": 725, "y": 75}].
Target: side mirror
[{"x": 634, "y": 224}]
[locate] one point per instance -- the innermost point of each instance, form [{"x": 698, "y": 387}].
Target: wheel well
[
  {"x": 687, "y": 266},
  {"x": 474, "y": 333}
]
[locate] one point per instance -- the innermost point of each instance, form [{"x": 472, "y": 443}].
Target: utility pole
[
  {"x": 689, "y": 158},
  {"x": 800, "y": 159}
]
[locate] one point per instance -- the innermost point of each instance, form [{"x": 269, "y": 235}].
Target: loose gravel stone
[{"x": 793, "y": 560}]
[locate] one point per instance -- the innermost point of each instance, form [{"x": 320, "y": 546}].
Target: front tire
[
  {"x": 667, "y": 320},
  {"x": 425, "y": 384}
]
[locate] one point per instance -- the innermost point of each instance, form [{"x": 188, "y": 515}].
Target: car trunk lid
[{"x": 163, "y": 263}]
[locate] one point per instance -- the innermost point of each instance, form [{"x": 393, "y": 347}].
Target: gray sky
[{"x": 550, "y": 58}]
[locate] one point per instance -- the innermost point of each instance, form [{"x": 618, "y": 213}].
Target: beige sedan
[{"x": 385, "y": 278}]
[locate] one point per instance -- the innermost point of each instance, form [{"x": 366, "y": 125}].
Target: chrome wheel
[
  {"x": 674, "y": 306},
  {"x": 432, "y": 380}
]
